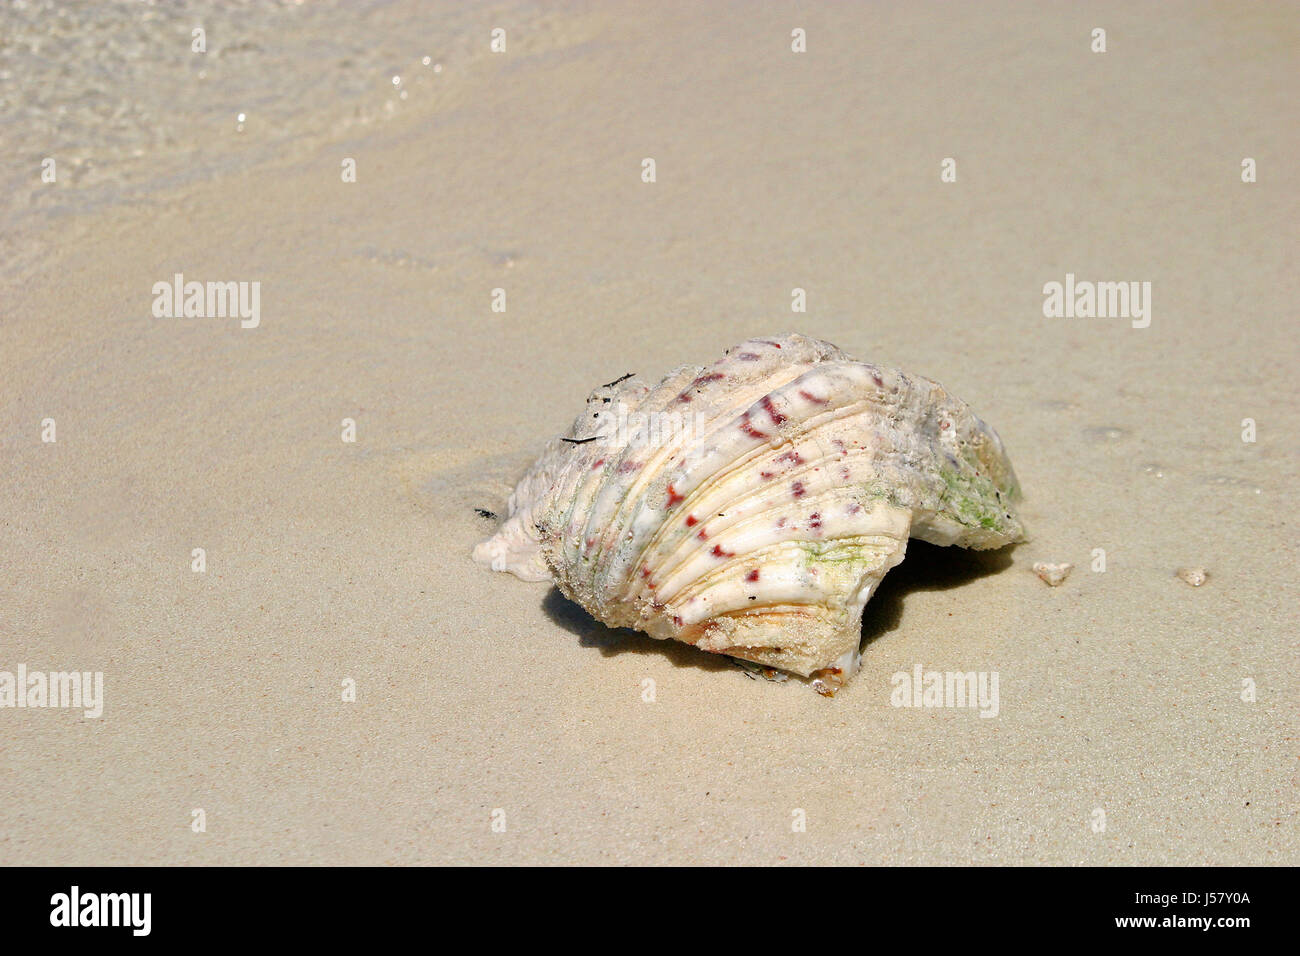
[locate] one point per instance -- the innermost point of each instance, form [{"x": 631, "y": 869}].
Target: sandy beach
[{"x": 1140, "y": 720}]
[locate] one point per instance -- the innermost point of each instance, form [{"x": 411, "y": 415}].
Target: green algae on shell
[{"x": 762, "y": 528}]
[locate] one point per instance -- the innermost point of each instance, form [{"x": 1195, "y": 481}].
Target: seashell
[
  {"x": 1052, "y": 574},
  {"x": 751, "y": 508}
]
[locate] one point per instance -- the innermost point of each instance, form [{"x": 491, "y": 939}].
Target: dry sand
[{"x": 1119, "y": 691}]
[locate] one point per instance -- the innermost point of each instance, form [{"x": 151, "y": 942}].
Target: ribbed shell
[{"x": 762, "y": 529}]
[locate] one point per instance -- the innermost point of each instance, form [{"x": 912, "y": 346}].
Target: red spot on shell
[
  {"x": 791, "y": 456},
  {"x": 748, "y": 357},
  {"x": 798, "y": 489},
  {"x": 673, "y": 497},
  {"x": 781, "y": 523},
  {"x": 677, "y": 619},
  {"x": 815, "y": 520},
  {"x": 703, "y": 535},
  {"x": 598, "y": 464},
  {"x": 705, "y": 379},
  {"x": 749, "y": 429},
  {"x": 628, "y": 466},
  {"x": 854, "y": 508},
  {"x": 752, "y": 575},
  {"x": 691, "y": 521},
  {"x": 717, "y": 552},
  {"x": 875, "y": 377},
  {"x": 683, "y": 397},
  {"x": 808, "y": 396},
  {"x": 772, "y": 413},
  {"x": 645, "y": 571}
]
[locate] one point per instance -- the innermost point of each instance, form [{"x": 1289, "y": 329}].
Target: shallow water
[{"x": 120, "y": 98}]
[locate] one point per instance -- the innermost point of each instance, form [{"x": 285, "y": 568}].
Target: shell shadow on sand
[{"x": 927, "y": 567}]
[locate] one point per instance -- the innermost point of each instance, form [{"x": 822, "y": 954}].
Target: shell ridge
[{"x": 633, "y": 508}]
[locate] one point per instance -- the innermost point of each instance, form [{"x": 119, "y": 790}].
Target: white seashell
[
  {"x": 1052, "y": 574},
  {"x": 750, "y": 508}
]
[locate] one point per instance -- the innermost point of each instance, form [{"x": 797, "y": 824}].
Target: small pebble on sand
[
  {"x": 1193, "y": 576},
  {"x": 1052, "y": 574}
]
